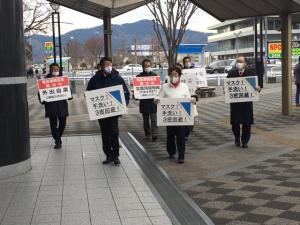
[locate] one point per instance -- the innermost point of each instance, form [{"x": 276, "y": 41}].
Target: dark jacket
[
  {"x": 100, "y": 81},
  {"x": 241, "y": 113},
  {"x": 297, "y": 73},
  {"x": 57, "y": 108},
  {"x": 147, "y": 105}
]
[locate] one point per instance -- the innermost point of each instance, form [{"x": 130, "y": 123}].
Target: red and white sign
[
  {"x": 146, "y": 87},
  {"x": 54, "y": 89}
]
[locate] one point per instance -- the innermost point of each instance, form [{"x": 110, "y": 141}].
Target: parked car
[
  {"x": 133, "y": 67},
  {"x": 250, "y": 63},
  {"x": 216, "y": 67}
]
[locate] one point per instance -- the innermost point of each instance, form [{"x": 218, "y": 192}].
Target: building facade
[{"x": 235, "y": 37}]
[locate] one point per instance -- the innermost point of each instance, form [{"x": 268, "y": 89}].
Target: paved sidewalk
[{"x": 71, "y": 187}]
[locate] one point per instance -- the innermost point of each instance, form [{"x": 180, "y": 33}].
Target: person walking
[
  {"x": 175, "y": 134},
  {"x": 105, "y": 77},
  {"x": 147, "y": 107},
  {"x": 241, "y": 113},
  {"x": 56, "y": 111},
  {"x": 297, "y": 82}
]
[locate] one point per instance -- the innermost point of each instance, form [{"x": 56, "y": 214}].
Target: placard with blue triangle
[
  {"x": 187, "y": 107},
  {"x": 251, "y": 81},
  {"x": 117, "y": 95}
]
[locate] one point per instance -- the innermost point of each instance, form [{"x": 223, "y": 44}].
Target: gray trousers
[{"x": 150, "y": 125}]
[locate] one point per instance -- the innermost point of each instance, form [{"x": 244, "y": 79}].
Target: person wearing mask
[
  {"x": 241, "y": 113},
  {"x": 147, "y": 107},
  {"x": 187, "y": 63},
  {"x": 297, "y": 82},
  {"x": 175, "y": 134},
  {"x": 56, "y": 111},
  {"x": 109, "y": 77}
]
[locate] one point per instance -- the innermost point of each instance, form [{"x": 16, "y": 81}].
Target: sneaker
[{"x": 117, "y": 162}]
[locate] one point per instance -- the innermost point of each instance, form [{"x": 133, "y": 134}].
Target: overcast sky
[{"x": 199, "y": 21}]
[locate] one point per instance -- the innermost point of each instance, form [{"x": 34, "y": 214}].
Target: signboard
[
  {"x": 146, "y": 87},
  {"x": 241, "y": 89},
  {"x": 175, "y": 112},
  {"x": 199, "y": 74},
  {"x": 48, "y": 46},
  {"x": 54, "y": 89},
  {"x": 275, "y": 49},
  {"x": 106, "y": 102}
]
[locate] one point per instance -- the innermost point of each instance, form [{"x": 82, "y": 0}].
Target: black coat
[
  {"x": 57, "y": 108},
  {"x": 241, "y": 113},
  {"x": 100, "y": 81},
  {"x": 147, "y": 105}
]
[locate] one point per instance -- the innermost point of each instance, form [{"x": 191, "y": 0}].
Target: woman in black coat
[
  {"x": 241, "y": 113},
  {"x": 56, "y": 111}
]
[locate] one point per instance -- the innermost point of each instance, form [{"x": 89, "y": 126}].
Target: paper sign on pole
[
  {"x": 54, "y": 89},
  {"x": 241, "y": 89},
  {"x": 175, "y": 112},
  {"x": 106, "y": 102},
  {"x": 146, "y": 87}
]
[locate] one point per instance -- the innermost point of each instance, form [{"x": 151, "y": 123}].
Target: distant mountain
[{"x": 142, "y": 31}]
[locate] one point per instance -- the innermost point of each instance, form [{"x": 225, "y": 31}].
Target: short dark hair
[
  {"x": 185, "y": 58},
  {"x": 104, "y": 59},
  {"x": 52, "y": 65},
  {"x": 179, "y": 65},
  {"x": 146, "y": 60},
  {"x": 177, "y": 69}
]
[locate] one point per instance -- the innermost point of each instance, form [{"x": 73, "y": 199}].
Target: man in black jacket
[
  {"x": 108, "y": 77},
  {"x": 241, "y": 113},
  {"x": 147, "y": 106}
]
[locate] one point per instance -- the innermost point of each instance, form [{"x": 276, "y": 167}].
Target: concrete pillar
[
  {"x": 286, "y": 64},
  {"x": 107, "y": 31},
  {"x": 14, "y": 122}
]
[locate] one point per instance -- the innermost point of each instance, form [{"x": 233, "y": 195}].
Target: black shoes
[
  {"x": 171, "y": 156},
  {"x": 57, "y": 146},
  {"x": 180, "y": 161},
  {"x": 154, "y": 138},
  {"x": 117, "y": 162},
  {"x": 237, "y": 144},
  {"x": 244, "y": 146},
  {"x": 110, "y": 160}
]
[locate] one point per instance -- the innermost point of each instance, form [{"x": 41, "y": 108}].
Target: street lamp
[{"x": 55, "y": 12}]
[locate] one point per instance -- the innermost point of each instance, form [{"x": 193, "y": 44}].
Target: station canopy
[{"x": 220, "y": 9}]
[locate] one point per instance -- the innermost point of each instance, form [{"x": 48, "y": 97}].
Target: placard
[
  {"x": 106, "y": 102},
  {"x": 241, "y": 89},
  {"x": 54, "y": 89},
  {"x": 146, "y": 87},
  {"x": 200, "y": 77},
  {"x": 175, "y": 112}
]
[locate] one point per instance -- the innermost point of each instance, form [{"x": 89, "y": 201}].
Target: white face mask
[
  {"x": 55, "y": 74},
  {"x": 174, "y": 80},
  {"x": 147, "y": 69},
  {"x": 240, "y": 66},
  {"x": 108, "y": 69},
  {"x": 188, "y": 65}
]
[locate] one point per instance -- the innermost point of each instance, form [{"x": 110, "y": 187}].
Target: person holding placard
[
  {"x": 241, "y": 113},
  {"x": 147, "y": 107},
  {"x": 56, "y": 111},
  {"x": 175, "y": 134},
  {"x": 297, "y": 82},
  {"x": 187, "y": 63},
  {"x": 109, "y": 77}
]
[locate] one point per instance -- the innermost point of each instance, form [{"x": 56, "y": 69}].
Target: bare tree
[
  {"x": 94, "y": 48},
  {"x": 36, "y": 16},
  {"x": 74, "y": 50},
  {"x": 171, "y": 20}
]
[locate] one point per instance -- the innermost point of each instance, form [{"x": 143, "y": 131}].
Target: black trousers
[
  {"x": 246, "y": 133},
  {"x": 110, "y": 136},
  {"x": 57, "y": 125},
  {"x": 176, "y": 138},
  {"x": 150, "y": 127}
]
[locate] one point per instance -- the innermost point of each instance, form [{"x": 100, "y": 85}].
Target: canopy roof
[
  {"x": 220, "y": 9},
  {"x": 97, "y": 8},
  {"x": 236, "y": 9}
]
